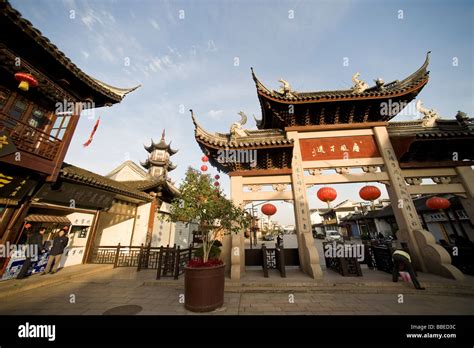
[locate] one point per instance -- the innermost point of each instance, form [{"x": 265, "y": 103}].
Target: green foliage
[{"x": 200, "y": 201}]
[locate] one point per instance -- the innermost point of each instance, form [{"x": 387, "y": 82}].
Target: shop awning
[{"x": 48, "y": 218}]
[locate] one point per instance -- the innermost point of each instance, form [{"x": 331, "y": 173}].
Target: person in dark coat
[
  {"x": 400, "y": 258},
  {"x": 59, "y": 244},
  {"x": 34, "y": 242}
]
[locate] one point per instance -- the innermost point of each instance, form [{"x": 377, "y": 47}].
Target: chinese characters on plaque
[{"x": 362, "y": 146}]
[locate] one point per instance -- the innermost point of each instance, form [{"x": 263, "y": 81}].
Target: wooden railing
[
  {"x": 273, "y": 258},
  {"x": 30, "y": 139},
  {"x": 168, "y": 261},
  {"x": 346, "y": 266}
]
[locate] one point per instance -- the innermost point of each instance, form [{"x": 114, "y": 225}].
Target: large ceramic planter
[{"x": 204, "y": 288}]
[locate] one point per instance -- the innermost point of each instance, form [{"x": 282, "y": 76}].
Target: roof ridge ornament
[
  {"x": 236, "y": 129},
  {"x": 359, "y": 85},
  {"x": 285, "y": 88},
  {"x": 429, "y": 115}
]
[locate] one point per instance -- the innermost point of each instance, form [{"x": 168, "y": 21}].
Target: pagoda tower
[{"x": 158, "y": 162}]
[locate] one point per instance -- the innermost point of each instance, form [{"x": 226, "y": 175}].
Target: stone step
[{"x": 432, "y": 288}]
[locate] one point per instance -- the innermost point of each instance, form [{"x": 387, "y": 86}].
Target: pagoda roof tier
[
  {"x": 255, "y": 151},
  {"x": 161, "y": 146},
  {"x": 150, "y": 163},
  {"x": 338, "y": 106},
  {"x": 57, "y": 75}
]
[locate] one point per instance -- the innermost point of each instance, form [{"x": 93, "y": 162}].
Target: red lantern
[
  {"x": 26, "y": 80},
  {"x": 217, "y": 177},
  {"x": 369, "y": 193},
  {"x": 216, "y": 184},
  {"x": 27, "y": 225},
  {"x": 438, "y": 203},
  {"x": 269, "y": 209},
  {"x": 204, "y": 168},
  {"x": 205, "y": 158},
  {"x": 327, "y": 194}
]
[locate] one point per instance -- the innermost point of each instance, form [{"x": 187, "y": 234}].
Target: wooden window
[
  {"x": 4, "y": 94},
  {"x": 18, "y": 108},
  {"x": 60, "y": 126},
  {"x": 38, "y": 118}
]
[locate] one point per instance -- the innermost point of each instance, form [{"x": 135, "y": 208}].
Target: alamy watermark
[
  {"x": 237, "y": 156},
  {"x": 344, "y": 250},
  {"x": 10, "y": 250}
]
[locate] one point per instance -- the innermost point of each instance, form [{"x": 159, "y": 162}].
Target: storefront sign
[
  {"x": 14, "y": 185},
  {"x": 6, "y": 144},
  {"x": 362, "y": 146}
]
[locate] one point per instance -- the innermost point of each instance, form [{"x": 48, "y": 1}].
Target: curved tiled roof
[
  {"x": 114, "y": 93},
  {"x": 256, "y": 138},
  {"x": 82, "y": 176},
  {"x": 393, "y": 89}
]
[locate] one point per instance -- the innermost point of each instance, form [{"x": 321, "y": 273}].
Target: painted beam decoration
[{"x": 362, "y": 146}]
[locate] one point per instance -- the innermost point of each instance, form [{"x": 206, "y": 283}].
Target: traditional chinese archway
[{"x": 301, "y": 135}]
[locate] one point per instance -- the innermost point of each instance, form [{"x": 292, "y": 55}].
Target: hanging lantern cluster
[
  {"x": 438, "y": 203},
  {"x": 369, "y": 193},
  {"x": 204, "y": 167},
  {"x": 327, "y": 194},
  {"x": 26, "y": 81}
]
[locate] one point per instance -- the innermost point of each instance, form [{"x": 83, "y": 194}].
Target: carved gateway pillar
[
  {"x": 233, "y": 252},
  {"x": 309, "y": 258},
  {"x": 426, "y": 254}
]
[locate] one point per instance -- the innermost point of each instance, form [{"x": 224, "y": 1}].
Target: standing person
[
  {"x": 59, "y": 243},
  {"x": 401, "y": 257},
  {"x": 34, "y": 244}
]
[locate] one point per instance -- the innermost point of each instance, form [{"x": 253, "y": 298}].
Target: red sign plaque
[{"x": 362, "y": 146}]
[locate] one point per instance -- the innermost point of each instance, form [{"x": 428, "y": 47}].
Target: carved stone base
[
  {"x": 311, "y": 257},
  {"x": 436, "y": 259}
]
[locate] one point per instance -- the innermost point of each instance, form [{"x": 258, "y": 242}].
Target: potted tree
[{"x": 202, "y": 201}]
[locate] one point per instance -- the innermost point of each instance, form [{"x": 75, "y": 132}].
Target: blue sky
[{"x": 188, "y": 62}]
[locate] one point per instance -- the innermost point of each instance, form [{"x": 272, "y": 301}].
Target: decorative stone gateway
[
  {"x": 301, "y": 135},
  {"x": 437, "y": 259}
]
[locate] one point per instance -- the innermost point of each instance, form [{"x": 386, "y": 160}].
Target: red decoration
[
  {"x": 438, "y": 203},
  {"x": 89, "y": 141},
  {"x": 26, "y": 80},
  {"x": 198, "y": 263},
  {"x": 205, "y": 158},
  {"x": 369, "y": 193},
  {"x": 269, "y": 209},
  {"x": 217, "y": 177},
  {"x": 27, "y": 225},
  {"x": 327, "y": 194},
  {"x": 216, "y": 184},
  {"x": 204, "y": 168}
]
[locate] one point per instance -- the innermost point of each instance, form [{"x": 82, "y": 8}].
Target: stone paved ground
[{"x": 98, "y": 292}]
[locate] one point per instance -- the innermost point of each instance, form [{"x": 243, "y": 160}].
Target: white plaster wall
[
  {"x": 113, "y": 230},
  {"x": 163, "y": 231},
  {"x": 184, "y": 233},
  {"x": 126, "y": 174},
  {"x": 141, "y": 225},
  {"x": 74, "y": 252}
]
